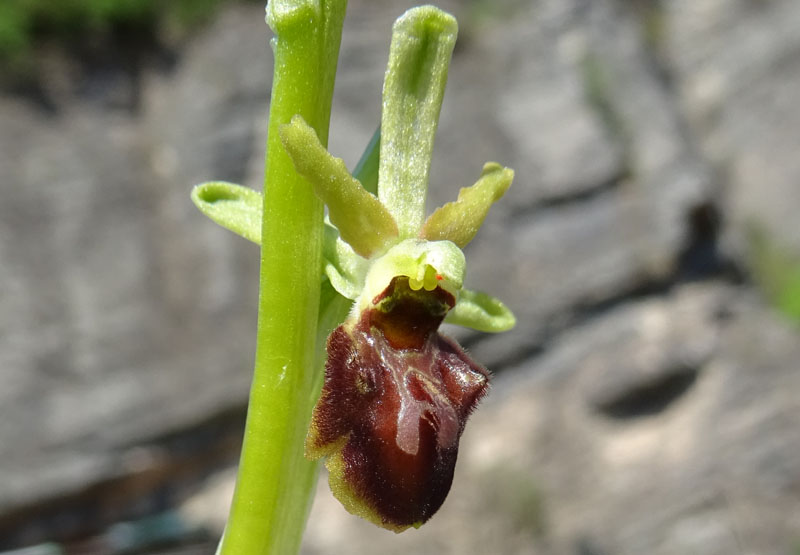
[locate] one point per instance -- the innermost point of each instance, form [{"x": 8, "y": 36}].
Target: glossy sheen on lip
[{"x": 394, "y": 403}]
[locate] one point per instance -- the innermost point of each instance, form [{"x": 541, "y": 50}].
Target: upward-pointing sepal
[{"x": 419, "y": 58}]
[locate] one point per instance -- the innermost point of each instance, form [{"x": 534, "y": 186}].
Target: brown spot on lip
[{"x": 407, "y": 317}]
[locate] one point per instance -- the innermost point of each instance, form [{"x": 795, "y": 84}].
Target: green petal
[
  {"x": 481, "y": 312},
  {"x": 344, "y": 268},
  {"x": 360, "y": 217},
  {"x": 422, "y": 43},
  {"x": 459, "y": 221},
  {"x": 232, "y": 206}
]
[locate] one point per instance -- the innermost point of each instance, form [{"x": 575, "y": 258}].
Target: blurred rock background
[{"x": 648, "y": 400}]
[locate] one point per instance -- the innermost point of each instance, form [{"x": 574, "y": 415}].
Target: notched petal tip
[
  {"x": 392, "y": 408},
  {"x": 459, "y": 221},
  {"x": 424, "y": 20}
]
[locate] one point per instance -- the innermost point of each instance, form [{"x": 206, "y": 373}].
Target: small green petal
[
  {"x": 344, "y": 268},
  {"x": 481, "y": 312},
  {"x": 360, "y": 217},
  {"x": 232, "y": 206},
  {"x": 419, "y": 57},
  {"x": 459, "y": 221}
]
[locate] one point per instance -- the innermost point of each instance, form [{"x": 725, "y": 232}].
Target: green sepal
[
  {"x": 419, "y": 57},
  {"x": 361, "y": 219},
  {"x": 481, "y": 312},
  {"x": 459, "y": 221},
  {"x": 232, "y": 206}
]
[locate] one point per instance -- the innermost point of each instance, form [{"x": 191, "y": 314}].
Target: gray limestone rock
[
  {"x": 627, "y": 233},
  {"x": 735, "y": 70},
  {"x": 639, "y": 414}
]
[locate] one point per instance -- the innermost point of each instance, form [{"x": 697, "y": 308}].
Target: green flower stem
[
  {"x": 295, "y": 507},
  {"x": 274, "y": 483}
]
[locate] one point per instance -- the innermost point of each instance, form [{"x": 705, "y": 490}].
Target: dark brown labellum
[{"x": 395, "y": 400}]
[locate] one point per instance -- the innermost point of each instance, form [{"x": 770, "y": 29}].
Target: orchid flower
[{"x": 396, "y": 392}]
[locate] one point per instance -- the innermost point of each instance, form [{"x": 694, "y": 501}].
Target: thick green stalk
[
  {"x": 333, "y": 309},
  {"x": 273, "y": 485}
]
